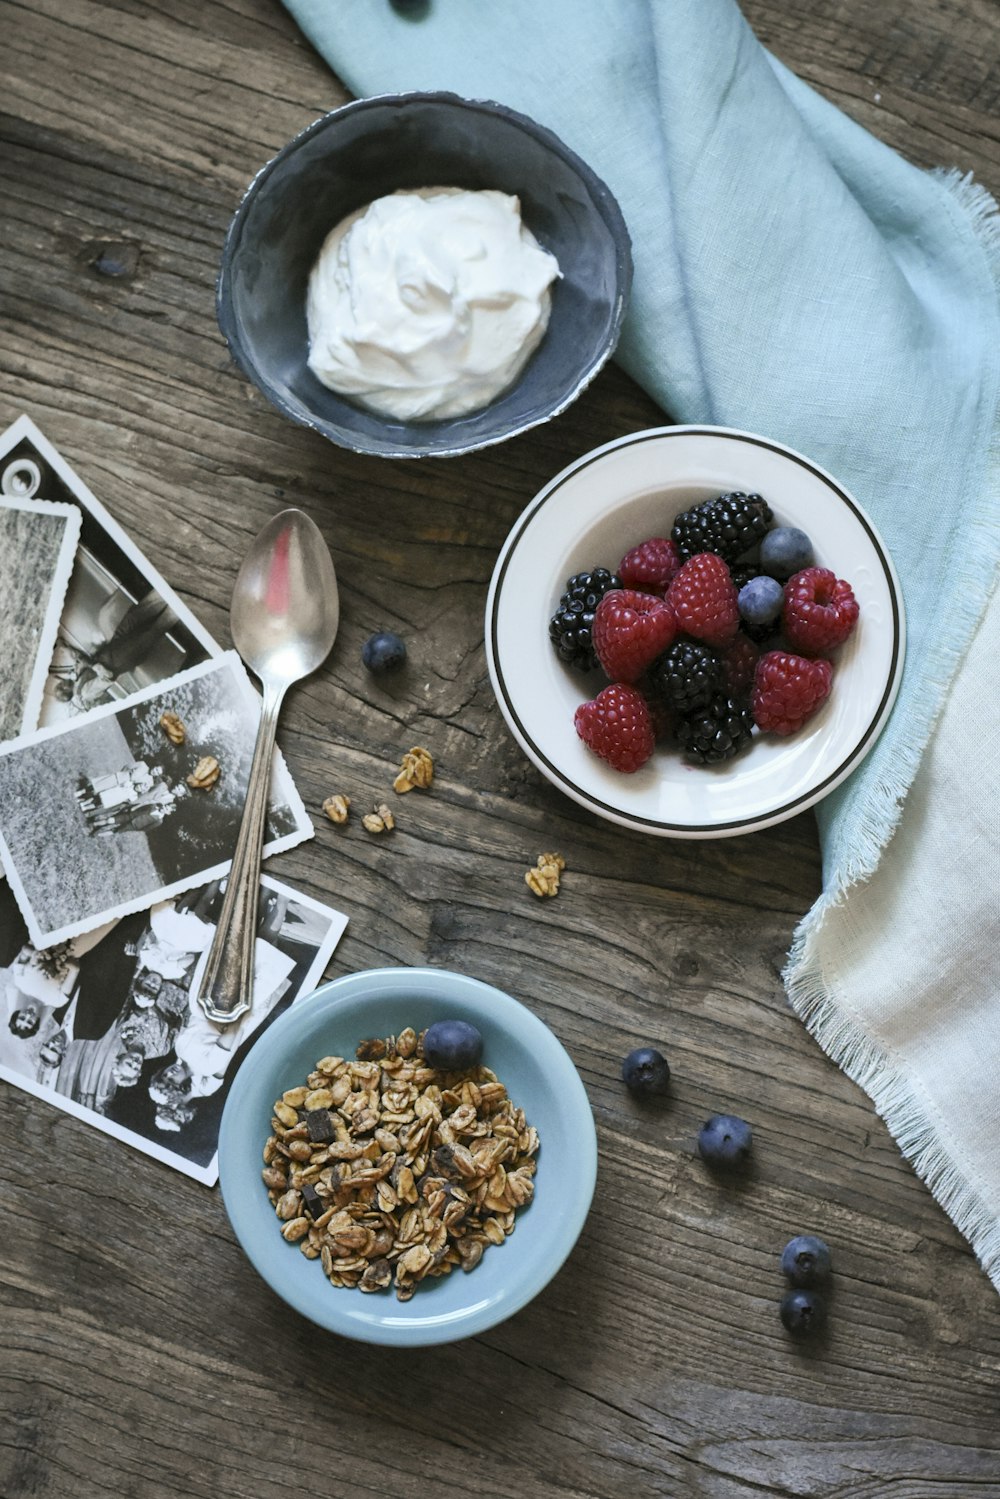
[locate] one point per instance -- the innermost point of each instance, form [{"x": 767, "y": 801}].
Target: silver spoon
[{"x": 284, "y": 617}]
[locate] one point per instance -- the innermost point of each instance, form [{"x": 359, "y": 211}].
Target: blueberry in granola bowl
[{"x": 396, "y": 1202}]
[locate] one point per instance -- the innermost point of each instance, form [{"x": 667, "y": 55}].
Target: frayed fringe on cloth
[
  {"x": 878, "y": 806},
  {"x": 876, "y": 818},
  {"x": 889, "y": 1090}
]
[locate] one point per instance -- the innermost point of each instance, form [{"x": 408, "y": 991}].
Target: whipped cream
[{"x": 428, "y": 304}]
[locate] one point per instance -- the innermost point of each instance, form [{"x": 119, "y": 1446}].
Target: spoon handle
[{"x": 226, "y": 989}]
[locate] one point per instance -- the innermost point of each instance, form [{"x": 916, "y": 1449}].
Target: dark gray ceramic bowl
[{"x": 372, "y": 147}]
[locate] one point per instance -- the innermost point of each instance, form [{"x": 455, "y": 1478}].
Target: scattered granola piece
[
  {"x": 205, "y": 773},
  {"x": 543, "y": 880},
  {"x": 380, "y": 820},
  {"x": 336, "y": 807},
  {"x": 173, "y": 727},
  {"x": 417, "y": 769}
]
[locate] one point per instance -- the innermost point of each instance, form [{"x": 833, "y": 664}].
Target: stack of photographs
[{"x": 126, "y": 735}]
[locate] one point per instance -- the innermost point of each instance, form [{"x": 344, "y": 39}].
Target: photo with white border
[
  {"x": 108, "y": 813},
  {"x": 122, "y": 627},
  {"x": 38, "y": 542},
  {"x": 106, "y": 1027}
]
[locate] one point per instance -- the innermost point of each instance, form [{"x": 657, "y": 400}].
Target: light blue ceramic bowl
[{"x": 538, "y": 1075}]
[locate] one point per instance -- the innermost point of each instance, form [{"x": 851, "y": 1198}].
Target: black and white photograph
[
  {"x": 120, "y": 627},
  {"x": 38, "y": 542},
  {"x": 107, "y": 1025},
  {"x": 113, "y": 811}
]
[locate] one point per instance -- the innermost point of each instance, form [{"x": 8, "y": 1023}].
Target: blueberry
[
  {"x": 802, "y": 1313},
  {"x": 784, "y": 551},
  {"x": 725, "y": 1141},
  {"x": 646, "y": 1072},
  {"x": 383, "y": 652},
  {"x": 805, "y": 1261},
  {"x": 452, "y": 1045},
  {"x": 760, "y": 600}
]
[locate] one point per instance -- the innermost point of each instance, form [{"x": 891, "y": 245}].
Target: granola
[
  {"x": 173, "y": 727},
  {"x": 416, "y": 769},
  {"x": 390, "y": 1172},
  {"x": 205, "y": 773},
  {"x": 379, "y": 820},
  {"x": 337, "y": 807},
  {"x": 543, "y": 880}
]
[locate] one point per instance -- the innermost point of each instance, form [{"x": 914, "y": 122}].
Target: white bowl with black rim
[{"x": 590, "y": 515}]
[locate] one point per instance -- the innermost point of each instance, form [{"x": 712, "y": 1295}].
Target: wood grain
[{"x": 142, "y": 1356}]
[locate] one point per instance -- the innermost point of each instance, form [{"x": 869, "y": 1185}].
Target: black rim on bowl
[{"x": 393, "y": 141}]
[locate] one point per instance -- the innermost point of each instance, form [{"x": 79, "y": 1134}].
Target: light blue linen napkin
[{"x": 793, "y": 277}]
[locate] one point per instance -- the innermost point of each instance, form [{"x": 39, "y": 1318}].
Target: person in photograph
[
  {"x": 171, "y": 1084},
  {"x": 171, "y": 1118},
  {"x": 46, "y": 978},
  {"x": 175, "y": 937},
  {"x": 39, "y": 1055},
  {"x": 25, "y": 1020},
  {"x": 207, "y": 1049},
  {"x": 154, "y": 1013},
  {"x": 86, "y": 678},
  {"x": 91, "y": 1072},
  {"x": 33, "y": 997},
  {"x": 104, "y": 793},
  {"x": 170, "y": 1091},
  {"x": 106, "y": 972},
  {"x": 50, "y": 1058},
  {"x": 25, "y": 1030},
  {"x": 137, "y": 814}
]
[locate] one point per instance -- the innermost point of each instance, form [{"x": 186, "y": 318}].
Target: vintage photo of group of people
[
  {"x": 119, "y": 809},
  {"x": 107, "y": 1024}
]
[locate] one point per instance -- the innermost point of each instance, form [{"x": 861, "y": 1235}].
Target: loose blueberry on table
[
  {"x": 725, "y": 1141},
  {"x": 384, "y": 651},
  {"x": 806, "y": 1261},
  {"x": 802, "y": 1313},
  {"x": 646, "y": 1072},
  {"x": 677, "y": 630}
]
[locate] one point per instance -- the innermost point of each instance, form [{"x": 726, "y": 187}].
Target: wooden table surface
[{"x": 141, "y": 1354}]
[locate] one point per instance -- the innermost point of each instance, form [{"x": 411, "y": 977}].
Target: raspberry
[
  {"x": 703, "y": 598},
  {"x": 616, "y": 725},
  {"x": 650, "y": 566},
  {"x": 787, "y": 690},
  {"x": 630, "y": 630},
  {"x": 659, "y": 712},
  {"x": 740, "y": 662},
  {"x": 820, "y": 610}
]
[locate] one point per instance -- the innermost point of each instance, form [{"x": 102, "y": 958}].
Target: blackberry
[
  {"x": 571, "y": 627},
  {"x": 743, "y": 572},
  {"x": 715, "y": 733},
  {"x": 729, "y": 525},
  {"x": 688, "y": 676},
  {"x": 760, "y": 634}
]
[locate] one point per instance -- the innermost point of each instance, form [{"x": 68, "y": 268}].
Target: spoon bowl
[
  {"x": 285, "y": 608},
  {"x": 284, "y": 616}
]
